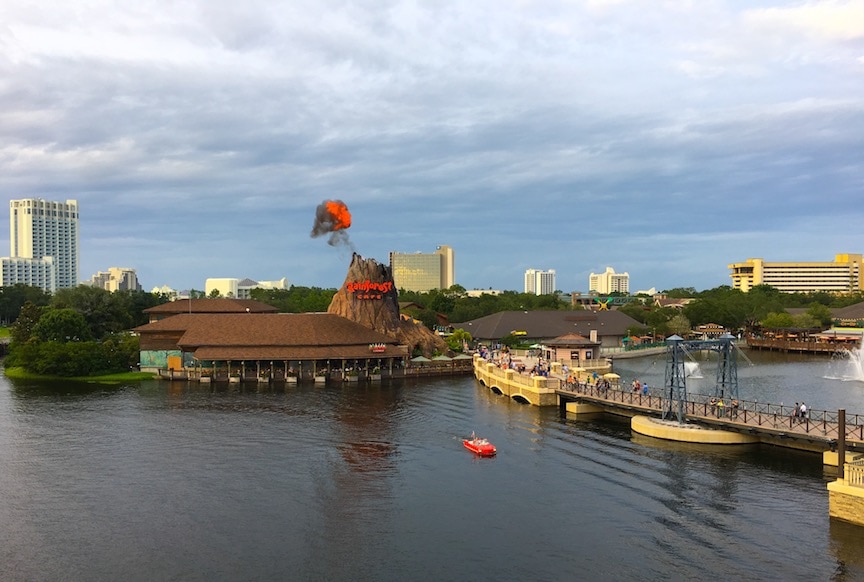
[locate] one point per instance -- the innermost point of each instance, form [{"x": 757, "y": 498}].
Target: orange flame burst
[
  {"x": 332, "y": 218},
  {"x": 341, "y": 218}
]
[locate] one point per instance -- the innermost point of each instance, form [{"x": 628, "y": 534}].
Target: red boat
[{"x": 480, "y": 446}]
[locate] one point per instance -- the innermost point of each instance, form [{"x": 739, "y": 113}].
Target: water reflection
[
  {"x": 847, "y": 545},
  {"x": 187, "y": 481}
]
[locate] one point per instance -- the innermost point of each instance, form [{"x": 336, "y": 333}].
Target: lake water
[{"x": 162, "y": 481}]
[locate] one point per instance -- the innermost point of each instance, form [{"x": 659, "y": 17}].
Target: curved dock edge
[{"x": 672, "y": 431}]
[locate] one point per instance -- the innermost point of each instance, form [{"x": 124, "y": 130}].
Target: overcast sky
[{"x": 665, "y": 139}]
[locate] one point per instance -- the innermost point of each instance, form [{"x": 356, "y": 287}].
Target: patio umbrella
[
  {"x": 421, "y": 359},
  {"x": 611, "y": 376}
]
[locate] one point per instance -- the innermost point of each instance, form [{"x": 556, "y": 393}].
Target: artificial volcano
[{"x": 369, "y": 297}]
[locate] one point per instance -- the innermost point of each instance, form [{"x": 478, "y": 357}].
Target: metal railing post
[{"x": 841, "y": 442}]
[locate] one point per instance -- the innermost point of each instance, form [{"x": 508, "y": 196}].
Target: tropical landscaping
[{"x": 85, "y": 331}]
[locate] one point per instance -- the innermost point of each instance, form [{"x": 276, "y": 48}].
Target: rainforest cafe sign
[{"x": 369, "y": 290}]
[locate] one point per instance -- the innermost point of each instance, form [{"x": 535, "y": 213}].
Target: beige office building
[
  {"x": 843, "y": 275},
  {"x": 423, "y": 272},
  {"x": 116, "y": 279},
  {"x": 609, "y": 282}
]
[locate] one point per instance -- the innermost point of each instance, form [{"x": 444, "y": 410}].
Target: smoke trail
[{"x": 332, "y": 217}]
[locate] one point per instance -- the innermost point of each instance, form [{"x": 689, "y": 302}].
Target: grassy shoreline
[{"x": 120, "y": 378}]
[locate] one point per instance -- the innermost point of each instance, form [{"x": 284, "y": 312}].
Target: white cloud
[{"x": 831, "y": 20}]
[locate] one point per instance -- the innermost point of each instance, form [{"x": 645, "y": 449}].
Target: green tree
[
  {"x": 442, "y": 303},
  {"x": 458, "y": 339},
  {"x": 22, "y": 329},
  {"x": 680, "y": 292},
  {"x": 821, "y": 314},
  {"x": 775, "y": 320},
  {"x": 805, "y": 321},
  {"x": 679, "y": 325},
  {"x": 62, "y": 325},
  {"x": 105, "y": 312},
  {"x": 13, "y": 298},
  {"x": 296, "y": 299}
]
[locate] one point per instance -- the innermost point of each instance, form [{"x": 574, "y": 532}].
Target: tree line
[
  {"x": 84, "y": 330},
  {"x": 79, "y": 331}
]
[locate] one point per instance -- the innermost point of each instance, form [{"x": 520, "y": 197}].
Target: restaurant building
[{"x": 263, "y": 345}]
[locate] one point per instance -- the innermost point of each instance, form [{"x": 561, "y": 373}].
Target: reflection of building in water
[
  {"x": 847, "y": 548},
  {"x": 366, "y": 427}
]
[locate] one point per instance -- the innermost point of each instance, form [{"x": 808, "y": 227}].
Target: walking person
[{"x": 803, "y": 411}]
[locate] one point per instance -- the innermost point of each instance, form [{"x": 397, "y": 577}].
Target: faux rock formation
[{"x": 369, "y": 297}]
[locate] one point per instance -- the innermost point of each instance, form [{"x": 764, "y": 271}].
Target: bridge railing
[
  {"x": 854, "y": 473},
  {"x": 823, "y": 423}
]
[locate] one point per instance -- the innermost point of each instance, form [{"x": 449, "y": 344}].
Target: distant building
[
  {"x": 423, "y": 272},
  {"x": 479, "y": 292},
  {"x": 609, "y": 282},
  {"x": 169, "y": 292},
  {"x": 43, "y": 244},
  {"x": 843, "y": 275},
  {"x": 116, "y": 279},
  {"x": 241, "y": 288},
  {"x": 539, "y": 282},
  {"x": 34, "y": 272}
]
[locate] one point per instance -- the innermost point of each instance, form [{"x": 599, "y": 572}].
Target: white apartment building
[
  {"x": 241, "y": 288},
  {"x": 116, "y": 279},
  {"x": 33, "y": 272},
  {"x": 609, "y": 282},
  {"x": 841, "y": 276},
  {"x": 540, "y": 282},
  {"x": 43, "y": 237}
]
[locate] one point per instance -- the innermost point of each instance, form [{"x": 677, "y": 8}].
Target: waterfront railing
[
  {"x": 822, "y": 423},
  {"x": 854, "y": 473}
]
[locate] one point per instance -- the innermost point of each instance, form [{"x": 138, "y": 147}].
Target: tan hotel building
[{"x": 843, "y": 275}]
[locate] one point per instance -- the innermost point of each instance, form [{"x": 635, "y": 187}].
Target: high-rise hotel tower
[
  {"x": 43, "y": 244},
  {"x": 539, "y": 282},
  {"x": 422, "y": 272}
]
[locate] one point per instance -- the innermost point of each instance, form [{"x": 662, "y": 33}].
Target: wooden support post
[{"x": 841, "y": 443}]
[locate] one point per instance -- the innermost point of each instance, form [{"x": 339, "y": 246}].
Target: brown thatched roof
[
  {"x": 547, "y": 325},
  {"x": 570, "y": 339},
  {"x": 254, "y": 336},
  {"x": 219, "y": 305}
]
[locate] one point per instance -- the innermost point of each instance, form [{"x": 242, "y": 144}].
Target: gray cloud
[{"x": 666, "y": 143}]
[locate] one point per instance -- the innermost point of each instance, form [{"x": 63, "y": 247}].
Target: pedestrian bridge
[
  {"x": 774, "y": 424},
  {"x": 536, "y": 390}
]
